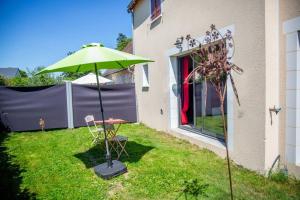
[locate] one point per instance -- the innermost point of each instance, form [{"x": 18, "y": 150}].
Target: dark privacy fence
[
  {"x": 63, "y": 106},
  {"x": 118, "y": 102}
]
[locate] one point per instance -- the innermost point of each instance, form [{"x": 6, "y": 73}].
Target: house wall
[
  {"x": 180, "y": 18},
  {"x": 288, "y": 10},
  {"x": 271, "y": 82},
  {"x": 121, "y": 77}
]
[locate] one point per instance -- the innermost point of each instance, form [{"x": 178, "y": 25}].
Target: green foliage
[
  {"x": 194, "y": 188},
  {"x": 59, "y": 164},
  {"x": 122, "y": 41},
  {"x": 17, "y": 82},
  {"x": 2, "y": 80},
  {"x": 23, "y": 74},
  {"x": 70, "y": 53},
  {"x": 33, "y": 80},
  {"x": 279, "y": 176},
  {"x": 73, "y": 75}
]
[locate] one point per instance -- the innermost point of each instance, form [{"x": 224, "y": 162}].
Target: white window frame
[
  {"x": 291, "y": 29},
  {"x": 145, "y": 76},
  {"x": 171, "y": 56}
]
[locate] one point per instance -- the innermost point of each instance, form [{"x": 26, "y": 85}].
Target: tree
[
  {"x": 122, "y": 41},
  {"x": 17, "y": 82},
  {"x": 23, "y": 74},
  {"x": 33, "y": 80},
  {"x": 43, "y": 79},
  {"x": 2, "y": 80},
  {"x": 73, "y": 75}
]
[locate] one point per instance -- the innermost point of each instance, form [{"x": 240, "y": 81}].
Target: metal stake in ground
[{"x": 212, "y": 60}]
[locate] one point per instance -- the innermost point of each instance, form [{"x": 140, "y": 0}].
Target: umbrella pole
[
  {"x": 108, "y": 155},
  {"x": 111, "y": 168}
]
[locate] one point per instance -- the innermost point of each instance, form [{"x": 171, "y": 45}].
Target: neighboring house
[
  {"x": 121, "y": 76},
  {"x": 90, "y": 79},
  {"x": 9, "y": 72},
  {"x": 267, "y": 47}
]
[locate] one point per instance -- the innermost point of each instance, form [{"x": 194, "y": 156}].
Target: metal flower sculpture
[{"x": 212, "y": 64}]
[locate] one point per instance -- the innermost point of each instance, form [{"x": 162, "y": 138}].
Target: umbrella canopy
[
  {"x": 91, "y": 79},
  {"x": 85, "y": 59}
]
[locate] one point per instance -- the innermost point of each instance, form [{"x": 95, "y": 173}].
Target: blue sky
[{"x": 40, "y": 32}]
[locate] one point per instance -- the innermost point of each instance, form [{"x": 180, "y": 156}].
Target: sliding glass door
[
  {"x": 212, "y": 118},
  {"x": 199, "y": 106},
  {"x": 199, "y": 110}
]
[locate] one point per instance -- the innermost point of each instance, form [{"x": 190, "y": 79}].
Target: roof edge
[{"x": 131, "y": 5}]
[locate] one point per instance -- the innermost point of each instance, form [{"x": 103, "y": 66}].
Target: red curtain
[{"x": 185, "y": 91}]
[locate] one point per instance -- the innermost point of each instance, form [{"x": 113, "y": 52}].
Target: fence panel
[
  {"x": 22, "y": 107},
  {"x": 118, "y": 101}
]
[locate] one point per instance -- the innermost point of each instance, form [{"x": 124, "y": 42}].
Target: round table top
[{"x": 111, "y": 121}]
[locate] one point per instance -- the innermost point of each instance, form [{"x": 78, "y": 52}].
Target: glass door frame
[{"x": 194, "y": 129}]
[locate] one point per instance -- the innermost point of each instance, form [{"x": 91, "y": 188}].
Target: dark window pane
[
  {"x": 155, "y": 8},
  {"x": 199, "y": 106},
  {"x": 212, "y": 117},
  {"x": 194, "y": 113}
]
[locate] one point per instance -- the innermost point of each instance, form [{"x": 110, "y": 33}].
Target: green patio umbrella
[{"x": 93, "y": 57}]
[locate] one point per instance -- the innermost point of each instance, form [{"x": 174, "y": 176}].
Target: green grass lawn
[{"x": 58, "y": 165}]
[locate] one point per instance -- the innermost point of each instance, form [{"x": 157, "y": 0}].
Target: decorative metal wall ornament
[
  {"x": 179, "y": 42},
  {"x": 212, "y": 60}
]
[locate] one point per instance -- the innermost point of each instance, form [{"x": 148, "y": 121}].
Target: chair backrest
[
  {"x": 90, "y": 122},
  {"x": 110, "y": 130},
  {"x": 109, "y": 127},
  {"x": 89, "y": 118}
]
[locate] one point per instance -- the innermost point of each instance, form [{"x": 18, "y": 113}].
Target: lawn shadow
[
  {"x": 96, "y": 154},
  {"x": 11, "y": 179}
]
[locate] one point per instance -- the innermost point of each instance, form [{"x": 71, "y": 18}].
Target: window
[
  {"x": 155, "y": 9},
  {"x": 292, "y": 52},
  {"x": 299, "y": 37},
  {"x": 145, "y": 76},
  {"x": 196, "y": 113}
]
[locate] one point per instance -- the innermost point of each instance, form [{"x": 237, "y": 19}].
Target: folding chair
[
  {"x": 93, "y": 129},
  {"x": 117, "y": 142}
]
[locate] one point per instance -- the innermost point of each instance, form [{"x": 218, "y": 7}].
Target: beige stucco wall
[
  {"x": 288, "y": 9},
  {"x": 121, "y": 77},
  {"x": 271, "y": 81},
  {"x": 259, "y": 40}
]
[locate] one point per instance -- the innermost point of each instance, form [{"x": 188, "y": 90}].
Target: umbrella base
[{"x": 106, "y": 172}]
